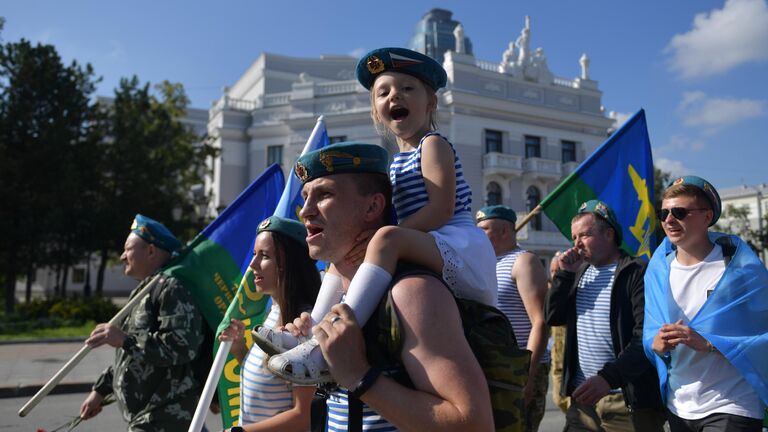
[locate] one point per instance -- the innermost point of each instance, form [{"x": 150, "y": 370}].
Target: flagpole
[
  {"x": 536, "y": 210},
  {"x": 54, "y": 381},
  {"x": 210, "y": 386},
  {"x": 213, "y": 376}
]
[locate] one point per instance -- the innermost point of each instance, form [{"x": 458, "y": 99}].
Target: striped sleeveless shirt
[
  {"x": 593, "y": 321},
  {"x": 409, "y": 194},
  {"x": 338, "y": 410},
  {"x": 510, "y": 301},
  {"x": 262, "y": 395}
]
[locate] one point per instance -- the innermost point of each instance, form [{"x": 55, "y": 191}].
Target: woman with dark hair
[{"x": 283, "y": 270}]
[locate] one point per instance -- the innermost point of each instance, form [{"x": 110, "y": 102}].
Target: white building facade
[
  {"x": 518, "y": 129},
  {"x": 753, "y": 199}
]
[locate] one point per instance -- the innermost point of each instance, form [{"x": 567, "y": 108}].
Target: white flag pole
[
  {"x": 68, "y": 366},
  {"x": 210, "y": 387}
]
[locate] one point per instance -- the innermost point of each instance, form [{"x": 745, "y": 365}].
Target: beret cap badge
[
  {"x": 374, "y": 65},
  {"x": 265, "y": 223},
  {"x": 301, "y": 171}
]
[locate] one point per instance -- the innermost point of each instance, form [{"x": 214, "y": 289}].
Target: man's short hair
[{"x": 372, "y": 183}]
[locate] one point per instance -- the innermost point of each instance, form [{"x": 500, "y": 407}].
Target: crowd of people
[{"x": 680, "y": 341}]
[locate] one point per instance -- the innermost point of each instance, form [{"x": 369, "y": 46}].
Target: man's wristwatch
[{"x": 235, "y": 429}]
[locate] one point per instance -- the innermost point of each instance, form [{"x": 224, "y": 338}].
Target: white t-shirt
[{"x": 704, "y": 383}]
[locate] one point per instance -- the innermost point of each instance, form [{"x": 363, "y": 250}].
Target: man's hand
[
  {"x": 570, "y": 260},
  {"x": 91, "y": 405},
  {"x": 106, "y": 333},
  {"x": 341, "y": 341},
  {"x": 301, "y": 326},
  {"x": 591, "y": 390},
  {"x": 677, "y": 333}
]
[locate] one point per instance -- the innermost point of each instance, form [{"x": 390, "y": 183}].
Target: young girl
[
  {"x": 282, "y": 269},
  {"x": 430, "y": 196}
]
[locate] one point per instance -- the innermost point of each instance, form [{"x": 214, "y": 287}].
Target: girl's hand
[
  {"x": 356, "y": 255},
  {"x": 233, "y": 332}
]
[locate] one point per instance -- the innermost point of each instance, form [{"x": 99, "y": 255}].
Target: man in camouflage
[{"x": 152, "y": 378}]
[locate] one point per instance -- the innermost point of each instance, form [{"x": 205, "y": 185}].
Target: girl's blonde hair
[{"x": 384, "y": 131}]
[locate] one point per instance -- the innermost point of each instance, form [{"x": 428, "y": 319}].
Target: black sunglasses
[{"x": 678, "y": 213}]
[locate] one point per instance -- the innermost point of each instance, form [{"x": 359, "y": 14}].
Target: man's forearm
[{"x": 537, "y": 344}]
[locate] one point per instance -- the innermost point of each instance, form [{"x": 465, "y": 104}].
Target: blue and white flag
[
  {"x": 291, "y": 202},
  {"x": 734, "y": 318}
]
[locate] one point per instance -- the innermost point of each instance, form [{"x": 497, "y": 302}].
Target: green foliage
[
  {"x": 50, "y": 328},
  {"x": 735, "y": 220},
  {"x": 76, "y": 171},
  {"x": 57, "y": 312},
  {"x": 660, "y": 183}
]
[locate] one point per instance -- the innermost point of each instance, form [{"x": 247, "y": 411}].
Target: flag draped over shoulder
[
  {"x": 214, "y": 266},
  {"x": 619, "y": 173},
  {"x": 247, "y": 305},
  {"x": 734, "y": 318}
]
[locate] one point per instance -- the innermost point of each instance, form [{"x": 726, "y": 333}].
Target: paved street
[{"x": 26, "y": 366}]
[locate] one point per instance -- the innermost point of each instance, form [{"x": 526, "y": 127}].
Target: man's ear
[{"x": 376, "y": 206}]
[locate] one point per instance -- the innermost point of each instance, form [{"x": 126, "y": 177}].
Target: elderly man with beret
[
  {"x": 152, "y": 377},
  {"x": 598, "y": 293}
]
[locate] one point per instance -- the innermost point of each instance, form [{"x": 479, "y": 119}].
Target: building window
[
  {"x": 493, "y": 193},
  {"x": 533, "y": 198},
  {"x": 532, "y": 146},
  {"x": 569, "y": 151},
  {"x": 493, "y": 141},
  {"x": 275, "y": 155},
  {"x": 335, "y": 139},
  {"x": 78, "y": 275}
]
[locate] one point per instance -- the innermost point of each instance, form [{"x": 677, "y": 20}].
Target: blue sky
[{"x": 699, "y": 68}]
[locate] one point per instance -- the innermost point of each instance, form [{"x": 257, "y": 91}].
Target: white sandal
[
  {"x": 297, "y": 366},
  {"x": 274, "y": 342}
]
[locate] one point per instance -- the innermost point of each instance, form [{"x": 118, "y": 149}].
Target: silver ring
[{"x": 334, "y": 319}]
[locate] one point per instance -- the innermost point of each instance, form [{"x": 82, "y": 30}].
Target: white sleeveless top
[{"x": 262, "y": 395}]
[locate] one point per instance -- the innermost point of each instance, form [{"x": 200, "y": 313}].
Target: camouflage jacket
[{"x": 152, "y": 376}]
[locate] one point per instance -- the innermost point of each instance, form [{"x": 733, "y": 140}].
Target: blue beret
[
  {"x": 709, "y": 192},
  {"x": 496, "y": 212},
  {"x": 342, "y": 158},
  {"x": 601, "y": 209},
  {"x": 155, "y": 233},
  {"x": 400, "y": 60},
  {"x": 288, "y": 227}
]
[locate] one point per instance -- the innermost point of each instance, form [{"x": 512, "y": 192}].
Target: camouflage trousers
[
  {"x": 611, "y": 414},
  {"x": 556, "y": 372},
  {"x": 536, "y": 407}
]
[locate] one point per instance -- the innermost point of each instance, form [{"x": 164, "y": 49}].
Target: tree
[
  {"x": 735, "y": 220},
  {"x": 660, "y": 182},
  {"x": 45, "y": 135},
  {"x": 151, "y": 161}
]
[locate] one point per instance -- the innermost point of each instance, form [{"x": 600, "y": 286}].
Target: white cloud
[
  {"x": 721, "y": 40},
  {"x": 357, "y": 52},
  {"x": 698, "y": 109},
  {"x": 673, "y": 167},
  {"x": 683, "y": 143}
]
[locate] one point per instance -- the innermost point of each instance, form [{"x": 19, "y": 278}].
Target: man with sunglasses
[
  {"x": 597, "y": 293},
  {"x": 706, "y": 323}
]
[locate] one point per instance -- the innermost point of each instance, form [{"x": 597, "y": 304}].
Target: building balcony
[
  {"x": 569, "y": 167},
  {"x": 502, "y": 164},
  {"x": 544, "y": 169}
]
